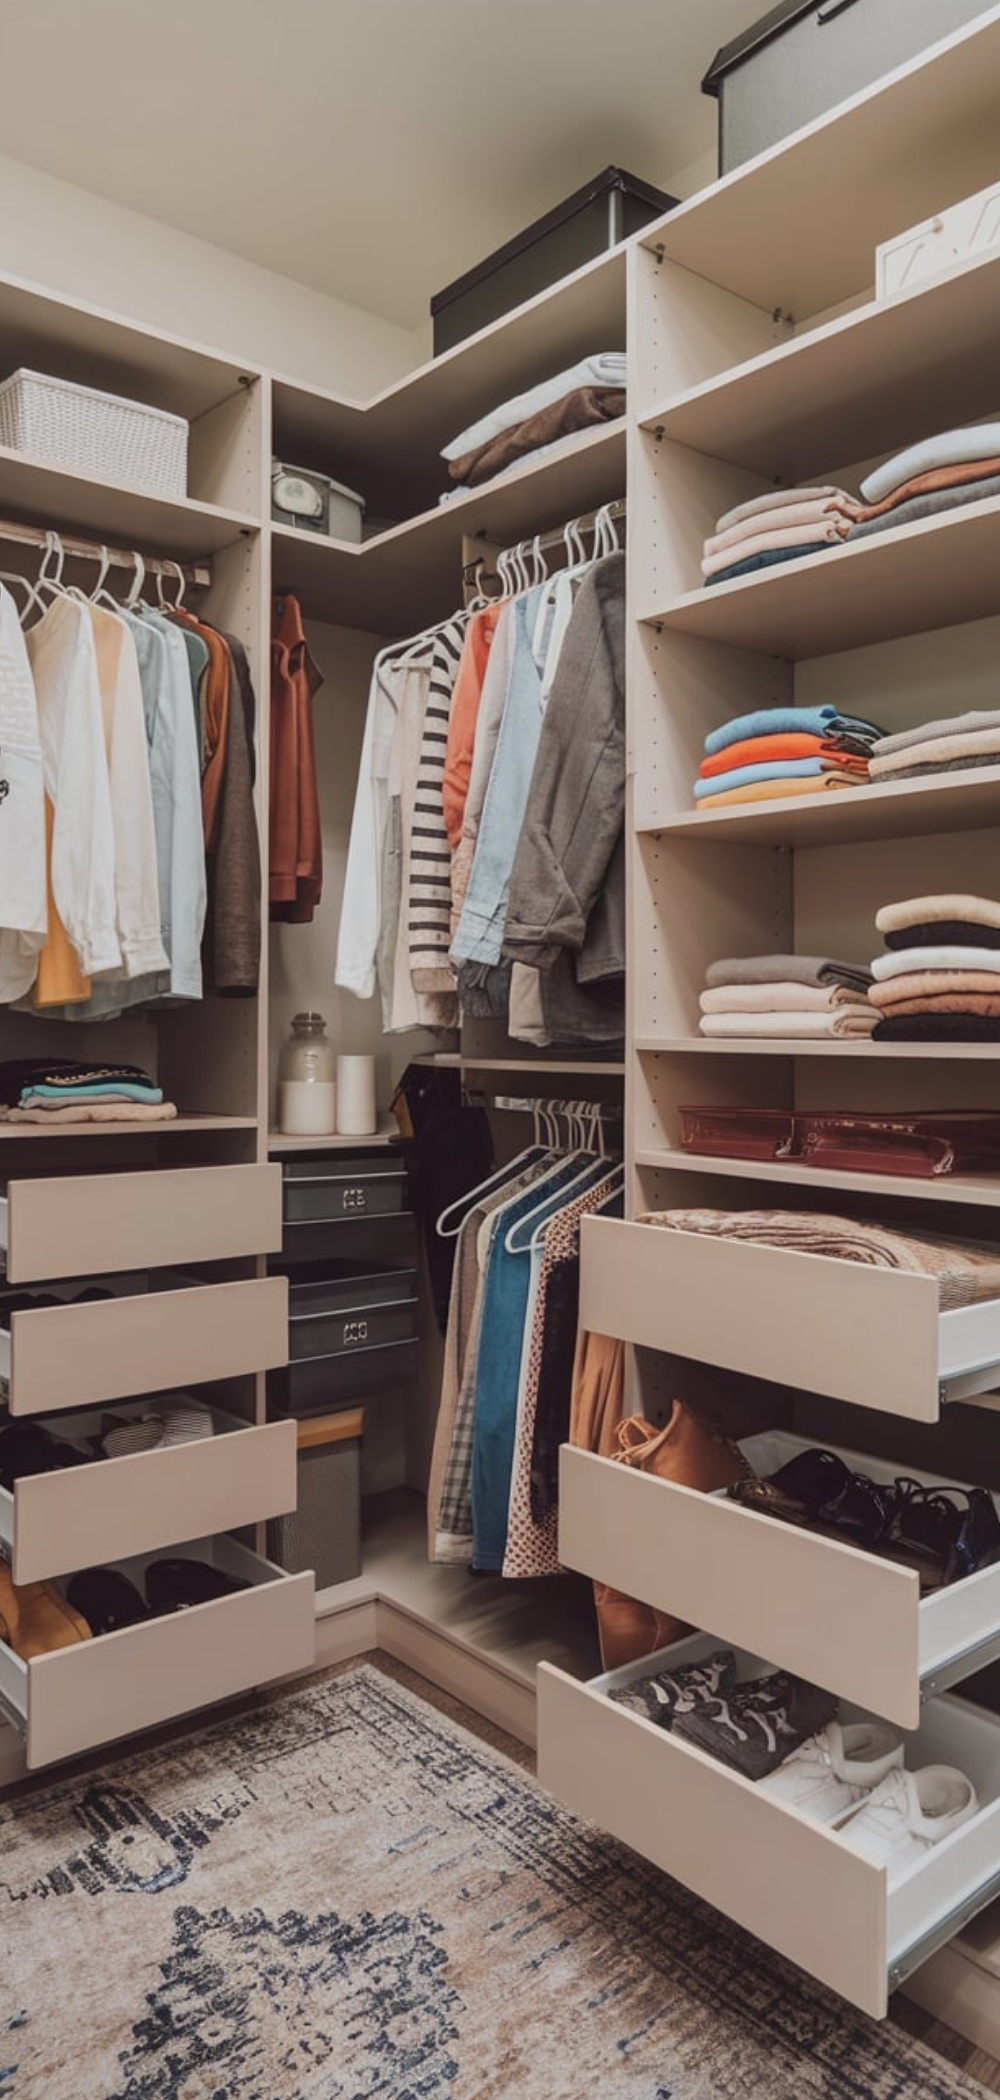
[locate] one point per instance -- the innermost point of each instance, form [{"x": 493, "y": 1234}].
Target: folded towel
[
  {"x": 966, "y": 1271},
  {"x": 787, "y": 969},
  {"x": 938, "y": 1028},
  {"x": 770, "y": 790},
  {"x": 579, "y": 410},
  {"x": 602, "y": 368},
  {"x": 745, "y": 776},
  {"x": 940, "y": 751},
  {"x": 776, "y": 998},
  {"x": 900, "y": 960},
  {"x": 951, "y": 933},
  {"x": 846, "y": 1020},
  {"x": 818, "y": 511},
  {"x": 921, "y": 984},
  {"x": 764, "y": 542},
  {"x": 776, "y": 499},
  {"x": 929, "y": 506},
  {"x": 947, "y": 449},
  {"x": 950, "y": 904},
  {"x": 969, "y": 724}
]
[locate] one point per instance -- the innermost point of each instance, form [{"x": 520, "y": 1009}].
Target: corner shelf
[
  {"x": 794, "y": 1046},
  {"x": 941, "y": 1188},
  {"x": 178, "y": 526}
]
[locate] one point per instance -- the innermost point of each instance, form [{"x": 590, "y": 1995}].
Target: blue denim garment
[
  {"x": 479, "y": 936},
  {"x": 498, "y": 1366}
]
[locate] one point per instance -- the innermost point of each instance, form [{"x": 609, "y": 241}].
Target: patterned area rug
[{"x": 344, "y": 1896}]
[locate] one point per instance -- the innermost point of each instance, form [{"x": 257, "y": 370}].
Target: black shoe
[
  {"x": 106, "y": 1599},
  {"x": 818, "y": 1491},
  {"x": 756, "y": 1725},
  {"x": 175, "y": 1585},
  {"x": 27, "y": 1448},
  {"x": 978, "y": 1542},
  {"x": 679, "y": 1691}
]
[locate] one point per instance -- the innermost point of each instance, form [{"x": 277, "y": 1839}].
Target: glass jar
[{"x": 307, "y": 1094}]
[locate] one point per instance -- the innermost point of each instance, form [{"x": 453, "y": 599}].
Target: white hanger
[
  {"x": 530, "y": 1156},
  {"x": 591, "y": 1170}
]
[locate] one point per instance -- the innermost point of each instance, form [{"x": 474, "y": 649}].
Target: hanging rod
[
  {"x": 543, "y": 541},
  {"x": 15, "y": 534}
]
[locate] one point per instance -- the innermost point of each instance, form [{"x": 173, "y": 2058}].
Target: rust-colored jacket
[{"x": 296, "y": 847}]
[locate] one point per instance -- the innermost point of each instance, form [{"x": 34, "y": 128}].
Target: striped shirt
[{"x": 429, "y": 870}]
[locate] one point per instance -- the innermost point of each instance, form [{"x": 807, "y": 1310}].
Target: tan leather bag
[{"x": 688, "y": 1454}]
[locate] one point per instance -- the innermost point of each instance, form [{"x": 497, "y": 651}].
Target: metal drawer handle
[{"x": 830, "y": 12}]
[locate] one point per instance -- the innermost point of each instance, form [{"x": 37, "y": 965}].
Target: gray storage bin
[
  {"x": 338, "y": 1314},
  {"x": 380, "y": 1242},
  {"x": 325, "y": 1189},
  {"x": 340, "y": 1380},
  {"x": 324, "y": 1532},
  {"x": 805, "y": 56}
]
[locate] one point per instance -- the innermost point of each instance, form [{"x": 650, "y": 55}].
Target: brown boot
[
  {"x": 628, "y": 1629},
  {"x": 35, "y": 1617}
]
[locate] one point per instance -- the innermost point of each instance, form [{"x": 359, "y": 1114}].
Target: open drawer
[
  {"x": 840, "y": 1617},
  {"x": 100, "y": 1690},
  {"x": 54, "y": 1522},
  {"x": 62, "y": 1356},
  {"x": 797, "y": 1885},
  {"x": 53, "y": 1226},
  {"x": 875, "y": 1337}
]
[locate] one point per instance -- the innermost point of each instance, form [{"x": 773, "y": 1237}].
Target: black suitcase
[{"x": 805, "y": 56}]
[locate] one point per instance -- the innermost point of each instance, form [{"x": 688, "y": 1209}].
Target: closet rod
[
  {"x": 544, "y": 540},
  {"x": 14, "y": 534}
]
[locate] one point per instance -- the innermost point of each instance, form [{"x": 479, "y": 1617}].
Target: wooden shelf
[
  {"x": 26, "y": 1133},
  {"x": 941, "y": 1188},
  {"x": 865, "y": 384},
  {"x": 279, "y": 1142},
  {"x": 967, "y": 801},
  {"x": 389, "y": 448},
  {"x": 797, "y": 227},
  {"x": 455, "y": 1060},
  {"x": 411, "y": 575},
  {"x": 92, "y": 347},
  {"x": 178, "y": 526},
  {"x": 793, "y": 1046},
  {"x": 939, "y": 572}
]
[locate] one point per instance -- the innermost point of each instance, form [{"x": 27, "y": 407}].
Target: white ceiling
[{"x": 375, "y": 149}]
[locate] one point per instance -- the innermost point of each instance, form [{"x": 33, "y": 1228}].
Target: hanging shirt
[
  {"x": 479, "y": 936},
  {"x": 429, "y": 869},
  {"x": 296, "y": 868},
  {"x": 137, "y": 892},
  {"x": 63, "y": 659},
  {"x": 23, "y": 904},
  {"x": 175, "y": 777},
  {"x": 466, "y": 696}
]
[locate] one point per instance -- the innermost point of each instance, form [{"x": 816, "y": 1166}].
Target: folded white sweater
[{"x": 604, "y": 368}]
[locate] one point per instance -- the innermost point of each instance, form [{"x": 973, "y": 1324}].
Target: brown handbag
[{"x": 688, "y": 1454}]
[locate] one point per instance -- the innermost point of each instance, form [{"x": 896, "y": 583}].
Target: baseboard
[
  {"x": 347, "y": 1631},
  {"x": 960, "y": 1990},
  {"x": 474, "y": 1679}
]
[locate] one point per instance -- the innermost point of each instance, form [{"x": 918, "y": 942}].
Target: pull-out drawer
[
  {"x": 321, "y": 1191},
  {"x": 842, "y": 1618},
  {"x": 62, "y": 1356},
  {"x": 875, "y": 1337},
  {"x": 53, "y": 1226},
  {"x": 799, "y": 1886},
  {"x": 100, "y": 1690},
  {"x": 115, "y": 1507}
]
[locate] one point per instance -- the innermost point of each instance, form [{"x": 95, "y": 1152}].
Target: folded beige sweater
[
  {"x": 966, "y": 1270},
  {"x": 918, "y": 911}
]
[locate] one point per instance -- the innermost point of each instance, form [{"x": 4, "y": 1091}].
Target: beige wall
[{"x": 77, "y": 243}]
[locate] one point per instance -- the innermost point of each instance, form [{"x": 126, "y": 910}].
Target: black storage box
[
  {"x": 805, "y": 56},
  {"x": 324, "y": 1190},
  {"x": 598, "y": 216}
]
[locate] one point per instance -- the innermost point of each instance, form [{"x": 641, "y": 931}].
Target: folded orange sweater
[{"x": 759, "y": 750}]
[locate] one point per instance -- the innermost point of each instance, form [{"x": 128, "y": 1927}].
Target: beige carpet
[{"x": 341, "y": 1894}]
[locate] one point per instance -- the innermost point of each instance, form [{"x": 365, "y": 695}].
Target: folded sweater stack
[
  {"x": 953, "y": 744},
  {"x": 777, "y": 527},
  {"x": 940, "y": 473},
  {"x": 61, "y": 1091},
  {"x": 967, "y": 1271},
  {"x": 783, "y": 751},
  {"x": 590, "y": 392},
  {"x": 940, "y": 980},
  {"x": 785, "y": 995}
]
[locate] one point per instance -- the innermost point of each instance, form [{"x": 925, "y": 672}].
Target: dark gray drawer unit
[
  {"x": 344, "y": 1308},
  {"x": 326, "y": 1191},
  {"x": 349, "y": 1250}
]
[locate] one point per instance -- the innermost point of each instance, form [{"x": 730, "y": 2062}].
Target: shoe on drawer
[
  {"x": 829, "y": 1776},
  {"x": 908, "y": 1812}
]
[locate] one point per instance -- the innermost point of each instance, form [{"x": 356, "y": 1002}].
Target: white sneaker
[
  {"x": 908, "y": 1813},
  {"x": 828, "y": 1776}
]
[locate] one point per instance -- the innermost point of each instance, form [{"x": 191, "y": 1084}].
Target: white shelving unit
[{"x": 759, "y": 358}]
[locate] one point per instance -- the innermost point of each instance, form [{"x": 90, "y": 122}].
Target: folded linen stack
[
  {"x": 590, "y": 392},
  {"x": 953, "y": 744},
  {"x": 777, "y": 527},
  {"x": 940, "y": 473},
  {"x": 785, "y": 995},
  {"x": 966, "y": 1271},
  {"x": 783, "y": 751},
  {"x": 60, "y": 1090},
  {"x": 940, "y": 980}
]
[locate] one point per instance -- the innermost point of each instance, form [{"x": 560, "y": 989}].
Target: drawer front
[
  {"x": 316, "y": 1194},
  {"x": 356, "y": 1327},
  {"x": 74, "y": 1355},
  {"x": 95, "y": 1223},
  {"x": 344, "y": 1379},
  {"x": 796, "y": 1885},
  {"x": 118, "y": 1507},
  {"x": 104, "y": 1689},
  {"x": 874, "y": 1337}
]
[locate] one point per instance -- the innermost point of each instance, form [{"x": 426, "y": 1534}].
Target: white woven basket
[{"x": 94, "y": 433}]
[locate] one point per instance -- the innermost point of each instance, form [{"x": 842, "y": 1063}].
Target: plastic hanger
[
  {"x": 592, "y": 1170},
  {"x": 530, "y": 1156}
]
